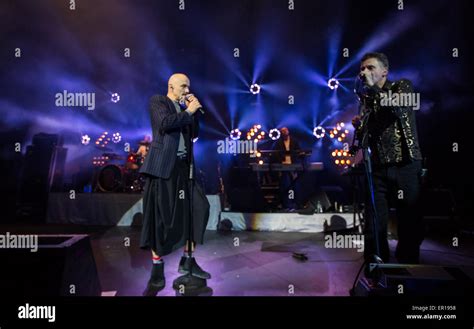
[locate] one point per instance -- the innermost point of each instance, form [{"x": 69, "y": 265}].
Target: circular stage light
[
  {"x": 319, "y": 132},
  {"x": 255, "y": 89},
  {"x": 274, "y": 134},
  {"x": 85, "y": 139},
  {"x": 235, "y": 134},
  {"x": 115, "y": 97},
  {"x": 116, "y": 138},
  {"x": 333, "y": 83}
]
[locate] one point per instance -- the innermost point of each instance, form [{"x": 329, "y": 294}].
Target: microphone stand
[
  {"x": 364, "y": 145},
  {"x": 187, "y": 282}
]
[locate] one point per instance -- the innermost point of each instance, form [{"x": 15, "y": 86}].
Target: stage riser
[
  {"x": 121, "y": 209},
  {"x": 289, "y": 222}
]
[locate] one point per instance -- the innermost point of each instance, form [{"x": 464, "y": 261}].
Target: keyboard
[{"x": 313, "y": 166}]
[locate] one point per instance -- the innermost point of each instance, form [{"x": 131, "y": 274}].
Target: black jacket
[
  {"x": 167, "y": 125},
  {"x": 392, "y": 130},
  {"x": 280, "y": 146}
]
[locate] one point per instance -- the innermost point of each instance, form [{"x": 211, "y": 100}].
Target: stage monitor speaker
[
  {"x": 311, "y": 204},
  {"x": 417, "y": 280},
  {"x": 63, "y": 265}
]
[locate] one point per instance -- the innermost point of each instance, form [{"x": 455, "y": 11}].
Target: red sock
[{"x": 156, "y": 260}]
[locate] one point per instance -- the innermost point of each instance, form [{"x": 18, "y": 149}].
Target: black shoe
[
  {"x": 152, "y": 287},
  {"x": 188, "y": 264},
  {"x": 157, "y": 280},
  {"x": 181, "y": 267}
]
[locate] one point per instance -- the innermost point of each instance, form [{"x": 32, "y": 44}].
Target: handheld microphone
[{"x": 186, "y": 97}]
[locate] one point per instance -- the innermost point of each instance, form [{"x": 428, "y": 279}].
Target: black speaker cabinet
[{"x": 63, "y": 265}]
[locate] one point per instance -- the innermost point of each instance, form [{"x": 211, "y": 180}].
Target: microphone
[
  {"x": 186, "y": 97},
  {"x": 359, "y": 87}
]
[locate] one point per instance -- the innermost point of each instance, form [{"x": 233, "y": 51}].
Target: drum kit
[{"x": 117, "y": 175}]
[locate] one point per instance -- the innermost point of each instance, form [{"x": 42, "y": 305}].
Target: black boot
[
  {"x": 157, "y": 280},
  {"x": 187, "y": 264}
]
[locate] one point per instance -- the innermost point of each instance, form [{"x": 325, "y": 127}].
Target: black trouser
[
  {"x": 288, "y": 183},
  {"x": 401, "y": 183}
]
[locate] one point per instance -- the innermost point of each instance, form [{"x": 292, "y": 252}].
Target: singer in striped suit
[{"x": 174, "y": 118}]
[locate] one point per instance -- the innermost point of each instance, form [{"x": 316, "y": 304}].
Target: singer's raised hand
[
  {"x": 194, "y": 105},
  {"x": 367, "y": 79},
  {"x": 190, "y": 97}
]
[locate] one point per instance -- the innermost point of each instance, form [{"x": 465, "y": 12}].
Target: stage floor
[
  {"x": 242, "y": 263},
  {"x": 261, "y": 264}
]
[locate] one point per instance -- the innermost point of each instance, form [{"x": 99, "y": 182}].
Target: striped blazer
[{"x": 166, "y": 125}]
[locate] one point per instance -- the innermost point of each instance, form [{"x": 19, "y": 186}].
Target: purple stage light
[
  {"x": 85, "y": 140},
  {"x": 115, "y": 97},
  {"x": 116, "y": 138}
]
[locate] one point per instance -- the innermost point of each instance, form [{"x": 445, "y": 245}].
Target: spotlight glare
[
  {"x": 319, "y": 132},
  {"x": 255, "y": 89},
  {"x": 115, "y": 97},
  {"x": 116, "y": 138},
  {"x": 235, "y": 134},
  {"x": 333, "y": 84},
  {"x": 274, "y": 134},
  {"x": 85, "y": 139}
]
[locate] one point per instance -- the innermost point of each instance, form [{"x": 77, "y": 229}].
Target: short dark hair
[{"x": 381, "y": 57}]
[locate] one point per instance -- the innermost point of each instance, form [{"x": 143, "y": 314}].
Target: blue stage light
[
  {"x": 274, "y": 134},
  {"x": 235, "y": 134},
  {"x": 255, "y": 89},
  {"x": 333, "y": 84},
  {"x": 319, "y": 132}
]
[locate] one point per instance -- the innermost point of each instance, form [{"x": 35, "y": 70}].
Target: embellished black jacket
[{"x": 391, "y": 125}]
